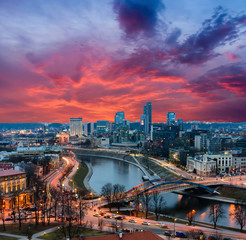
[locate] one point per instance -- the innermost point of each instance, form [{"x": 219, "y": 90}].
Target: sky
[{"x": 92, "y": 58}]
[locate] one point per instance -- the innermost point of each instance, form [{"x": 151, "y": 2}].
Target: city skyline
[{"x": 92, "y": 59}]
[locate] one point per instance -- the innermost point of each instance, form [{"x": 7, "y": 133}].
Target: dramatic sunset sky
[{"x": 91, "y": 58}]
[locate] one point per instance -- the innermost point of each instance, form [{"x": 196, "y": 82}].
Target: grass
[
  {"x": 7, "y": 238},
  {"x": 58, "y": 235},
  {"x": 159, "y": 170},
  {"x": 79, "y": 177},
  {"x": 14, "y": 228},
  {"x": 232, "y": 192}
]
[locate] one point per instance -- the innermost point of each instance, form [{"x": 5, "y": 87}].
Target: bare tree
[
  {"x": 215, "y": 213},
  {"x": 2, "y": 214},
  {"x": 56, "y": 197},
  {"x": 190, "y": 216},
  {"x": 239, "y": 214},
  {"x": 68, "y": 213},
  {"x": 158, "y": 203},
  {"x": 118, "y": 194},
  {"x": 83, "y": 206},
  {"x": 137, "y": 201},
  {"x": 107, "y": 192},
  {"x": 146, "y": 199}
]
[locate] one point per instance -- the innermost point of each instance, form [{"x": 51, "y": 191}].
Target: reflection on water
[
  {"x": 113, "y": 171},
  {"x": 179, "y": 206}
]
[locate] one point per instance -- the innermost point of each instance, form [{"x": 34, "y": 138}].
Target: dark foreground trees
[
  {"x": 216, "y": 212},
  {"x": 158, "y": 203},
  {"x": 239, "y": 214},
  {"x": 107, "y": 192}
]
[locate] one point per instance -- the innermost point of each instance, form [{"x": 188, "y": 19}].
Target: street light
[
  {"x": 174, "y": 220},
  {"x": 130, "y": 208},
  {"x": 100, "y": 199}
]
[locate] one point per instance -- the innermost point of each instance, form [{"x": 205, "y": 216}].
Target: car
[
  {"x": 114, "y": 215},
  {"x": 114, "y": 225},
  {"x": 97, "y": 215},
  {"x": 119, "y": 218},
  {"x": 132, "y": 221},
  {"x": 108, "y": 216},
  {"x": 166, "y": 233},
  {"x": 8, "y": 219},
  {"x": 146, "y": 223},
  {"x": 180, "y": 235},
  {"x": 212, "y": 238},
  {"x": 226, "y": 238},
  {"x": 102, "y": 213}
]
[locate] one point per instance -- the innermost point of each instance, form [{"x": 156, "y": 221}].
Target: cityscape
[{"x": 122, "y": 120}]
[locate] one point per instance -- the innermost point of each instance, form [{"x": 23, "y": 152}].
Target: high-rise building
[
  {"x": 102, "y": 126},
  {"x": 119, "y": 117},
  {"x": 76, "y": 127},
  {"x": 147, "y": 111},
  {"x": 144, "y": 123},
  {"x": 170, "y": 118},
  {"x": 180, "y": 123}
]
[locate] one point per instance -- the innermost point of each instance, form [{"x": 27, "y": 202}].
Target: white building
[
  {"x": 76, "y": 127},
  {"x": 239, "y": 163},
  {"x": 208, "y": 163},
  {"x": 202, "y": 165}
]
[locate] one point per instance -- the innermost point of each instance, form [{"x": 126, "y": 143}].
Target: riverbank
[
  {"x": 87, "y": 179},
  {"x": 80, "y": 174}
]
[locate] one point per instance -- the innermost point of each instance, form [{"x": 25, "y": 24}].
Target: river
[{"x": 113, "y": 171}]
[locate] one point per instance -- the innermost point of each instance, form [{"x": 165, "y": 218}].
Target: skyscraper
[
  {"x": 119, "y": 117},
  {"x": 170, "y": 118},
  {"x": 76, "y": 127},
  {"x": 147, "y": 111}
]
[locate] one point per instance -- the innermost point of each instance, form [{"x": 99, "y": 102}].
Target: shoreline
[{"x": 87, "y": 179}]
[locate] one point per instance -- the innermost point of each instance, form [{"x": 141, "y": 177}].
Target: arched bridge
[{"x": 161, "y": 185}]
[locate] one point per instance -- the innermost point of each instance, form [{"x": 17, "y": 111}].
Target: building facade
[
  {"x": 13, "y": 189},
  {"x": 119, "y": 118},
  {"x": 170, "y": 118},
  {"x": 76, "y": 128}
]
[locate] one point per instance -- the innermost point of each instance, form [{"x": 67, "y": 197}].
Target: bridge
[{"x": 162, "y": 185}]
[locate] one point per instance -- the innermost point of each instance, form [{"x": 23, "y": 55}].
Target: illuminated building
[
  {"x": 119, "y": 117},
  {"x": 13, "y": 189},
  {"x": 76, "y": 127},
  {"x": 170, "y": 118}
]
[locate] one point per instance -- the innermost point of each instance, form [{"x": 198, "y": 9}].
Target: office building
[
  {"x": 147, "y": 111},
  {"x": 144, "y": 123},
  {"x": 76, "y": 127},
  {"x": 119, "y": 118},
  {"x": 180, "y": 123},
  {"x": 170, "y": 118},
  {"x": 102, "y": 126}
]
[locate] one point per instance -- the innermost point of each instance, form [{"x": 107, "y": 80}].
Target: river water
[{"x": 113, "y": 171}]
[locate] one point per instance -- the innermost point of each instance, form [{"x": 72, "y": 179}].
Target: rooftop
[{"x": 10, "y": 172}]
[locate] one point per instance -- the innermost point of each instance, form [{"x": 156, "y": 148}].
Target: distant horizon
[
  {"x": 201, "y": 122},
  {"x": 93, "y": 58}
]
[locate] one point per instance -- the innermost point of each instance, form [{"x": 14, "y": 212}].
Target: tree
[
  {"x": 2, "y": 207},
  {"x": 137, "y": 201},
  {"x": 158, "y": 203},
  {"x": 56, "y": 197},
  {"x": 107, "y": 192},
  {"x": 239, "y": 214},
  {"x": 118, "y": 194},
  {"x": 146, "y": 202},
  {"x": 190, "y": 216},
  {"x": 215, "y": 213},
  {"x": 83, "y": 206}
]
